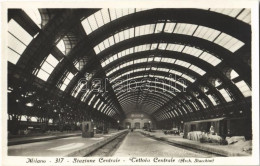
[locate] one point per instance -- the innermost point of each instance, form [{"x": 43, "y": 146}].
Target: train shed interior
[{"x": 179, "y": 73}]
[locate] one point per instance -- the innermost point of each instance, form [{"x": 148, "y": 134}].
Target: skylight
[
  {"x": 197, "y": 70},
  {"x": 186, "y": 29},
  {"x": 244, "y": 88},
  {"x": 212, "y": 100},
  {"x": 245, "y": 16},
  {"x": 66, "y": 81},
  {"x": 225, "y": 95},
  {"x": 228, "y": 42},
  {"x": 47, "y": 67},
  {"x": 169, "y": 27},
  {"x": 77, "y": 89},
  {"x": 206, "y": 33},
  {"x": 61, "y": 46},
  {"x": 159, "y": 27},
  {"x": 18, "y": 40},
  {"x": 227, "y": 11},
  {"x": 188, "y": 78},
  {"x": 90, "y": 101},
  {"x": 182, "y": 63},
  {"x": 175, "y": 47},
  {"x": 35, "y": 15},
  {"x": 210, "y": 58},
  {"x": 192, "y": 51},
  {"x": 103, "y": 17},
  {"x": 233, "y": 74}
]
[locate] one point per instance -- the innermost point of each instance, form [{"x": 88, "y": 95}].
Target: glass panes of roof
[
  {"x": 77, "y": 89},
  {"x": 100, "y": 105},
  {"x": 105, "y": 15},
  {"x": 197, "y": 70},
  {"x": 35, "y": 15},
  {"x": 169, "y": 27},
  {"x": 47, "y": 67},
  {"x": 175, "y": 47},
  {"x": 245, "y": 16},
  {"x": 212, "y": 100},
  {"x": 79, "y": 64},
  {"x": 52, "y": 60},
  {"x": 66, "y": 81},
  {"x": 96, "y": 103},
  {"x": 225, "y": 95},
  {"x": 70, "y": 76},
  {"x": 99, "y": 18},
  {"x": 168, "y": 60},
  {"x": 159, "y": 27},
  {"x": 102, "y": 17},
  {"x": 162, "y": 46},
  {"x": 157, "y": 59},
  {"x": 18, "y": 39},
  {"x": 192, "y": 51},
  {"x": 154, "y": 46},
  {"x": 91, "y": 99},
  {"x": 61, "y": 46},
  {"x": 85, "y": 95},
  {"x": 96, "y": 49},
  {"x": 182, "y": 63},
  {"x": 175, "y": 72},
  {"x": 206, "y": 33},
  {"x": 243, "y": 87},
  {"x": 86, "y": 26},
  {"x": 43, "y": 75},
  {"x": 16, "y": 30},
  {"x": 186, "y": 29},
  {"x": 13, "y": 57},
  {"x": 233, "y": 74},
  {"x": 217, "y": 82},
  {"x": 188, "y": 78},
  {"x": 210, "y": 58},
  {"x": 93, "y": 23},
  {"x": 227, "y": 11},
  {"x": 228, "y": 42},
  {"x": 15, "y": 45},
  {"x": 202, "y": 103}
]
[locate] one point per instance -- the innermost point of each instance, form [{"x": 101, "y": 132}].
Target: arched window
[
  {"x": 233, "y": 74},
  {"x": 61, "y": 46}
]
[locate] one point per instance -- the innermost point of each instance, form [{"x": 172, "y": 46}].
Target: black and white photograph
[{"x": 130, "y": 83}]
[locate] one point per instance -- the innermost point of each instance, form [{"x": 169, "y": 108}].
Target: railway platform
[
  {"x": 23, "y": 139},
  {"x": 223, "y": 150},
  {"x": 66, "y": 145}
]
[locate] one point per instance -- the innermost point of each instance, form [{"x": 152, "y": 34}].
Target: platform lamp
[{"x": 118, "y": 124}]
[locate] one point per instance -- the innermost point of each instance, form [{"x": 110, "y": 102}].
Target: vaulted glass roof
[
  {"x": 163, "y": 52},
  {"x": 226, "y": 41}
]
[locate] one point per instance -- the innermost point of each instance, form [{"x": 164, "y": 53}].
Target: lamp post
[{"x": 149, "y": 125}]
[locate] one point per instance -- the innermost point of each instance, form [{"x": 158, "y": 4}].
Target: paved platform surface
[
  {"x": 224, "y": 150},
  {"x": 135, "y": 145},
  {"x": 31, "y": 139},
  {"x": 69, "y": 146}
]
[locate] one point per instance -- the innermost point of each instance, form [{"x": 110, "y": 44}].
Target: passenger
[{"x": 211, "y": 130}]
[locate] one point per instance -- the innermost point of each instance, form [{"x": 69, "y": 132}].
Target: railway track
[
  {"x": 206, "y": 153},
  {"x": 109, "y": 148}
]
